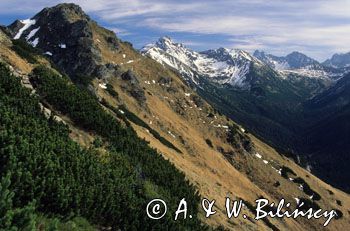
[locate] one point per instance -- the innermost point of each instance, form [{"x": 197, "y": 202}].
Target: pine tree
[{"x": 14, "y": 218}]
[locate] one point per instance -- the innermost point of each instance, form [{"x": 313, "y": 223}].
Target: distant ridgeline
[
  {"x": 295, "y": 103},
  {"x": 47, "y": 177}
]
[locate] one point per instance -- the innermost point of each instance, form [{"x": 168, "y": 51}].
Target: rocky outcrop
[
  {"x": 107, "y": 71},
  {"x": 132, "y": 86}
]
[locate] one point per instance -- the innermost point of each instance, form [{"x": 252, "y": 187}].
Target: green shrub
[
  {"x": 97, "y": 142},
  {"x": 210, "y": 144},
  {"x": 23, "y": 49},
  {"x": 111, "y": 91}
]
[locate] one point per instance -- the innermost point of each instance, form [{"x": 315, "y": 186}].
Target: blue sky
[{"x": 318, "y": 28}]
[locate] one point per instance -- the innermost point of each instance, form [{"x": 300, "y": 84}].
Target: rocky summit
[{"x": 74, "y": 51}]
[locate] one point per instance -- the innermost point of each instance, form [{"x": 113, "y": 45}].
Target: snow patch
[
  {"x": 103, "y": 85},
  {"x": 301, "y": 187},
  {"x": 258, "y": 155},
  {"x": 35, "y": 42},
  {"x": 62, "y": 46},
  {"x": 280, "y": 171},
  {"x": 48, "y": 53},
  {"x": 308, "y": 168},
  {"x": 27, "y": 23},
  {"x": 170, "y": 133},
  {"x": 32, "y": 33}
]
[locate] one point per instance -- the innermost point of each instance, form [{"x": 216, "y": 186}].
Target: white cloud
[
  {"x": 208, "y": 24},
  {"x": 119, "y": 31}
]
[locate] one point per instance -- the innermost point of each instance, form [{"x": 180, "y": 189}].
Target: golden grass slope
[{"x": 215, "y": 176}]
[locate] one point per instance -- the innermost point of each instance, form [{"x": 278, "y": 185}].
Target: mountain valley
[{"x": 269, "y": 95}]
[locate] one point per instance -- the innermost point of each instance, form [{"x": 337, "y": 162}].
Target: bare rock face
[
  {"x": 13, "y": 29},
  {"x": 132, "y": 86},
  {"x": 130, "y": 76},
  {"x": 107, "y": 71}
]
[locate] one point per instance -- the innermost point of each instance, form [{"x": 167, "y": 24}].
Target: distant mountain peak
[
  {"x": 275, "y": 62},
  {"x": 221, "y": 65},
  {"x": 259, "y": 53},
  {"x": 297, "y": 60},
  {"x": 294, "y": 59},
  {"x": 166, "y": 42},
  {"x": 297, "y": 53},
  {"x": 166, "y": 38},
  {"x": 231, "y": 56},
  {"x": 297, "y": 63},
  {"x": 339, "y": 60}
]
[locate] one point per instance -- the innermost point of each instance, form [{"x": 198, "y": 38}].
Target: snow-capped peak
[
  {"x": 167, "y": 43},
  {"x": 222, "y": 65},
  {"x": 292, "y": 61},
  {"x": 275, "y": 62},
  {"x": 231, "y": 55},
  {"x": 296, "y": 63}
]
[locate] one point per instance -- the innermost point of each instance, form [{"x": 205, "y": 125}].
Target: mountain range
[
  {"x": 92, "y": 130},
  {"x": 231, "y": 66},
  {"x": 270, "y": 96},
  {"x": 301, "y": 64}
]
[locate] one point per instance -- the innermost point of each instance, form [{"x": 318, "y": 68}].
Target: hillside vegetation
[{"x": 43, "y": 168}]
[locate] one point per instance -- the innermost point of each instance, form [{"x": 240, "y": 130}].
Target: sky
[{"x": 318, "y": 28}]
